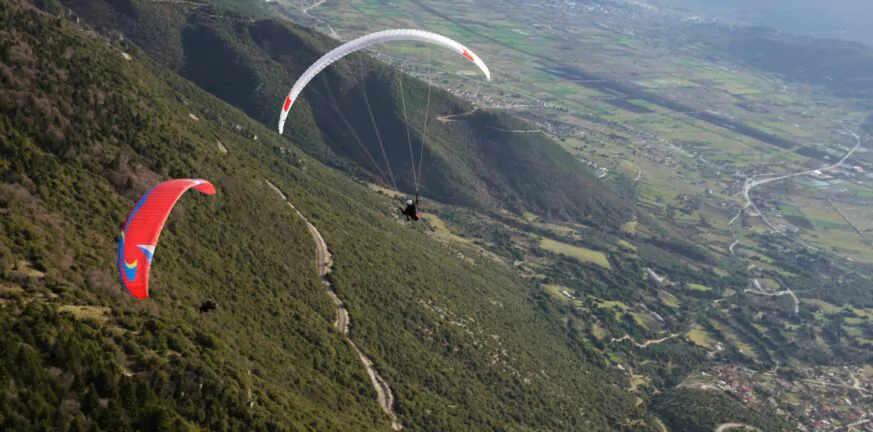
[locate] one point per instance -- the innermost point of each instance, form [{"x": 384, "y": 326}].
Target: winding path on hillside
[
  {"x": 456, "y": 117},
  {"x": 787, "y": 292},
  {"x": 725, "y": 426},
  {"x": 646, "y": 343},
  {"x": 324, "y": 264}
]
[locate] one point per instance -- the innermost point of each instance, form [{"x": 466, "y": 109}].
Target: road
[
  {"x": 324, "y": 264},
  {"x": 308, "y": 8},
  {"x": 787, "y": 292},
  {"x": 751, "y": 183},
  {"x": 317, "y": 20}
]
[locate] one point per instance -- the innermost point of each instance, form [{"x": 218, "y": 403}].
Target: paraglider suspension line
[
  {"x": 408, "y": 137},
  {"x": 373, "y": 119},
  {"x": 355, "y": 135},
  {"x": 426, "y": 114}
]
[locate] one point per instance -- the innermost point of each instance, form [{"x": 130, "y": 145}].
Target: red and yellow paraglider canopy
[{"x": 143, "y": 227}]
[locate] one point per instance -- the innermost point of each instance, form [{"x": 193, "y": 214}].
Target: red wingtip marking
[
  {"x": 287, "y": 104},
  {"x": 469, "y": 56}
]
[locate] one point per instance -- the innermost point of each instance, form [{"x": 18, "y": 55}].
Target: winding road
[
  {"x": 324, "y": 264},
  {"x": 751, "y": 183},
  {"x": 787, "y": 292}
]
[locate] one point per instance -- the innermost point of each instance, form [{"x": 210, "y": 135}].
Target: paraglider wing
[
  {"x": 369, "y": 40},
  {"x": 143, "y": 227}
]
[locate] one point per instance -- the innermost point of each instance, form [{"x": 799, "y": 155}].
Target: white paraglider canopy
[{"x": 367, "y": 41}]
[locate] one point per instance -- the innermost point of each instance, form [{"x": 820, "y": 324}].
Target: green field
[{"x": 580, "y": 253}]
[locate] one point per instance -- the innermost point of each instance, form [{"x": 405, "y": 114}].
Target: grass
[
  {"x": 443, "y": 233},
  {"x": 620, "y": 308},
  {"x": 613, "y": 304},
  {"x": 580, "y": 253},
  {"x": 10, "y": 289},
  {"x": 700, "y": 337},
  {"x": 699, "y": 287},
  {"x": 853, "y": 331},
  {"x": 559, "y": 229},
  {"x": 530, "y": 217},
  {"x": 627, "y": 245},
  {"x": 735, "y": 339},
  {"x": 828, "y": 308},
  {"x": 720, "y": 271},
  {"x": 600, "y": 333},
  {"x": 790, "y": 210},
  {"x": 555, "y": 291},
  {"x": 385, "y": 191},
  {"x": 94, "y": 313},
  {"x": 668, "y": 299},
  {"x": 769, "y": 284},
  {"x": 28, "y": 269},
  {"x": 636, "y": 381}
]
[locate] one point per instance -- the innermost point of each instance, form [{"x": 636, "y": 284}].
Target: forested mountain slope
[
  {"x": 252, "y": 64},
  {"x": 87, "y": 128}
]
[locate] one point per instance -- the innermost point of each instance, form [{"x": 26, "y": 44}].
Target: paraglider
[
  {"x": 143, "y": 226},
  {"x": 410, "y": 211},
  {"x": 367, "y": 41}
]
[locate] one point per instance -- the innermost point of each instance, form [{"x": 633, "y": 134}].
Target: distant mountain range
[{"x": 843, "y": 19}]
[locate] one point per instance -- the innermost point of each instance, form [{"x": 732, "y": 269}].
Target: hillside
[
  {"x": 703, "y": 411},
  {"x": 251, "y": 64},
  {"x": 842, "y": 19},
  {"x": 85, "y": 132},
  {"x": 837, "y": 65}
]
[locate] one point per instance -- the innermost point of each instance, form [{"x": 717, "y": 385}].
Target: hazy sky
[{"x": 844, "y": 19}]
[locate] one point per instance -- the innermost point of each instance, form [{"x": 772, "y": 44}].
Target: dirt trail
[
  {"x": 725, "y": 426},
  {"x": 646, "y": 343},
  {"x": 324, "y": 264},
  {"x": 456, "y": 117},
  {"x": 515, "y": 130},
  {"x": 463, "y": 116}
]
